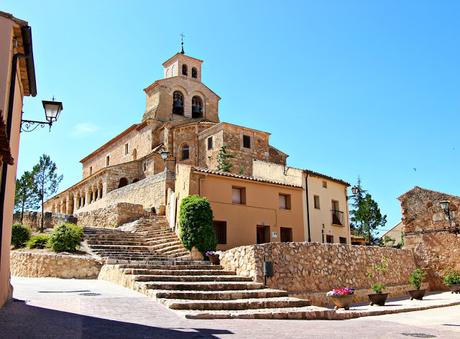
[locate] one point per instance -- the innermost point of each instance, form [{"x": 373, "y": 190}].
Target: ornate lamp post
[{"x": 52, "y": 111}]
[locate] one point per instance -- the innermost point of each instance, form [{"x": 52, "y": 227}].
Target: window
[
  {"x": 337, "y": 215},
  {"x": 122, "y": 182},
  {"x": 184, "y": 70},
  {"x": 210, "y": 143},
  {"x": 238, "y": 195},
  {"x": 316, "y": 202},
  {"x": 220, "y": 227},
  {"x": 285, "y": 201},
  {"x": 126, "y": 149},
  {"x": 246, "y": 141},
  {"x": 135, "y": 154},
  {"x": 324, "y": 184},
  {"x": 285, "y": 234},
  {"x": 335, "y": 205},
  {"x": 194, "y": 73},
  {"x": 107, "y": 160},
  {"x": 342, "y": 240},
  {"x": 197, "y": 107},
  {"x": 178, "y": 103},
  {"x": 90, "y": 170},
  {"x": 185, "y": 152},
  {"x": 329, "y": 239}
]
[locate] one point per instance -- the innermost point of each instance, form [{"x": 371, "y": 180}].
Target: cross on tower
[{"x": 182, "y": 43}]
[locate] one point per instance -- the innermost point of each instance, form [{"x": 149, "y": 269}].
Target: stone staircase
[
  {"x": 148, "y": 241},
  {"x": 198, "y": 290},
  {"x": 147, "y": 257}
]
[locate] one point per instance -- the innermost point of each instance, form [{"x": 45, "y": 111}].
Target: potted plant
[
  {"x": 213, "y": 257},
  {"x": 378, "y": 298},
  {"x": 341, "y": 297},
  {"x": 416, "y": 279},
  {"x": 452, "y": 280}
]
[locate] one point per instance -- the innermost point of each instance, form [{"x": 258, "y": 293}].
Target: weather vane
[{"x": 182, "y": 42}]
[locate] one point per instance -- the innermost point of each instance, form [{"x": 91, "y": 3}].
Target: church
[{"x": 174, "y": 152}]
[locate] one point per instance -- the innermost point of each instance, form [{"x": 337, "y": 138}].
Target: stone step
[
  {"x": 124, "y": 247},
  {"x": 94, "y": 242},
  {"x": 161, "y": 240},
  {"x": 306, "y": 312},
  {"x": 203, "y": 286},
  {"x": 190, "y": 278},
  {"x": 168, "y": 247},
  {"x": 237, "y": 304},
  {"x": 179, "y": 272},
  {"x": 173, "y": 251},
  {"x": 174, "y": 264},
  {"x": 220, "y": 295},
  {"x": 147, "y": 269}
]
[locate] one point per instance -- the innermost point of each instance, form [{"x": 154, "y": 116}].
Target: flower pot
[
  {"x": 214, "y": 259},
  {"x": 455, "y": 288},
  {"x": 378, "y": 298},
  {"x": 343, "y": 301},
  {"x": 416, "y": 294}
]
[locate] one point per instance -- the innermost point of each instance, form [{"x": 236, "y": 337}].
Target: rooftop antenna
[{"x": 182, "y": 43}]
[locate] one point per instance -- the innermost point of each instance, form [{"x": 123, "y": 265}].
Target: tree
[
  {"x": 365, "y": 215},
  {"x": 26, "y": 196},
  {"x": 223, "y": 160},
  {"x": 46, "y": 180},
  {"x": 196, "y": 226}
]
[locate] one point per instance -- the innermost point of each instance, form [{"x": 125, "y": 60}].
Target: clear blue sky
[{"x": 347, "y": 88}]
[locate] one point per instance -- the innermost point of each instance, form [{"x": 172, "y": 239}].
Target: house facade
[{"x": 17, "y": 79}]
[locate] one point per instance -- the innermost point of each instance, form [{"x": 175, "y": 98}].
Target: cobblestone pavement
[{"x": 58, "y": 308}]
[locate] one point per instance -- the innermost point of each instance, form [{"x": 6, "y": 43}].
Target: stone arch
[
  {"x": 184, "y": 151},
  {"x": 197, "y": 107},
  {"x": 194, "y": 73},
  {"x": 178, "y": 103},
  {"x": 122, "y": 182},
  {"x": 184, "y": 70}
]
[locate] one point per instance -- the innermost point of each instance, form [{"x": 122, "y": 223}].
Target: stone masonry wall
[
  {"x": 111, "y": 216},
  {"x": 148, "y": 192},
  {"x": 427, "y": 232},
  {"x": 33, "y": 219},
  {"x": 34, "y": 264},
  {"x": 309, "y": 270}
]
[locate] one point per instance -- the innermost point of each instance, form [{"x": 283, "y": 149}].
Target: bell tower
[{"x": 184, "y": 66}]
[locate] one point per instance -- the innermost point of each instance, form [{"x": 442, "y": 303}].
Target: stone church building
[{"x": 173, "y": 152}]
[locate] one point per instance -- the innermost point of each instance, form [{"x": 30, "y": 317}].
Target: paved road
[{"x": 57, "y": 308}]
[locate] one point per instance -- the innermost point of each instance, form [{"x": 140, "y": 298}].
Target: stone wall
[
  {"x": 427, "y": 232},
  {"x": 33, "y": 219},
  {"x": 36, "y": 264},
  {"x": 111, "y": 216},
  {"x": 148, "y": 192},
  {"x": 309, "y": 270}
]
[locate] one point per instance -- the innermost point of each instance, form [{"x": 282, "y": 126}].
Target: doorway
[{"x": 263, "y": 234}]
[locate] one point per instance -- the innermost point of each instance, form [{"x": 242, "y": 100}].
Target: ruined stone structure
[
  {"x": 180, "y": 128},
  {"x": 430, "y": 233}
]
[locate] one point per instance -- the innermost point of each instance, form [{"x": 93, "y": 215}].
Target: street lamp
[
  {"x": 164, "y": 154},
  {"x": 52, "y": 110},
  {"x": 355, "y": 190}
]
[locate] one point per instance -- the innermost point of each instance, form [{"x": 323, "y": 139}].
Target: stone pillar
[{"x": 87, "y": 197}]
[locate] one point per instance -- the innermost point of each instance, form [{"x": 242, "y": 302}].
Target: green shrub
[
  {"x": 416, "y": 278},
  {"x": 451, "y": 277},
  {"x": 66, "y": 238},
  {"x": 378, "y": 288},
  {"x": 20, "y": 234},
  {"x": 38, "y": 241},
  {"x": 196, "y": 226}
]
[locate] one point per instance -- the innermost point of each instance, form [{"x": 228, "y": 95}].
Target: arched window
[
  {"x": 194, "y": 73},
  {"x": 178, "y": 103},
  {"x": 197, "y": 107},
  {"x": 122, "y": 182},
  {"x": 185, "y": 152},
  {"x": 184, "y": 70}
]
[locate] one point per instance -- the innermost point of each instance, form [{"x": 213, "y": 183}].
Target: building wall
[
  {"x": 6, "y": 52},
  {"x": 426, "y": 232},
  {"x": 321, "y": 219},
  {"x": 261, "y": 207}
]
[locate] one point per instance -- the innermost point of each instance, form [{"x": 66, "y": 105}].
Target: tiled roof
[
  {"x": 326, "y": 177},
  {"x": 243, "y": 177}
]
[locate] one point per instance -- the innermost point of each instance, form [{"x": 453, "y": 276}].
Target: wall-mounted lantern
[{"x": 52, "y": 110}]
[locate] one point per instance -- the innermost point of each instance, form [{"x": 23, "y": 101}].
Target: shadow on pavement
[{"x": 19, "y": 320}]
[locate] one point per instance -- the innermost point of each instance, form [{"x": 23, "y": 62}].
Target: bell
[{"x": 196, "y": 109}]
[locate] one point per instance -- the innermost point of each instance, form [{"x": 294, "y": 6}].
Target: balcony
[{"x": 337, "y": 217}]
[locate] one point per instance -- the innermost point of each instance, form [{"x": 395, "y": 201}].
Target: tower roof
[{"x": 180, "y": 56}]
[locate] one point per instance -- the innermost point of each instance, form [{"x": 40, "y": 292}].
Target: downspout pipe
[{"x": 308, "y": 208}]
